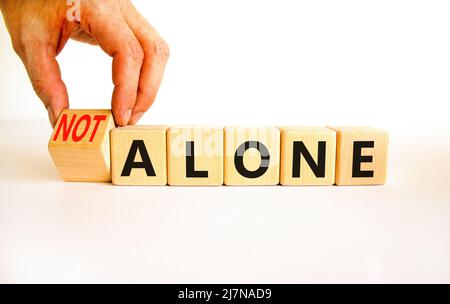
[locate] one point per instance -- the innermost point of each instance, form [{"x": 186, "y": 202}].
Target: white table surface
[{"x": 51, "y": 231}]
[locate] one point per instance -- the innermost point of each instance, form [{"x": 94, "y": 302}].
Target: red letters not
[
  {"x": 75, "y": 136},
  {"x": 66, "y": 129},
  {"x": 98, "y": 119},
  {"x": 74, "y": 126}
]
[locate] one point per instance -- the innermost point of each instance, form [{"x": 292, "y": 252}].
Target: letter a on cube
[
  {"x": 138, "y": 156},
  {"x": 80, "y": 147}
]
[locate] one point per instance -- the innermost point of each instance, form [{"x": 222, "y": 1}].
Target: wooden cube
[
  {"x": 307, "y": 156},
  {"x": 138, "y": 156},
  {"x": 79, "y": 145},
  {"x": 252, "y": 156},
  {"x": 361, "y": 157},
  {"x": 195, "y": 156}
]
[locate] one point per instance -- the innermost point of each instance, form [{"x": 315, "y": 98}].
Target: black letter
[
  {"x": 130, "y": 164},
  {"x": 190, "y": 163},
  {"x": 300, "y": 149},
  {"x": 358, "y": 158},
  {"x": 239, "y": 159}
]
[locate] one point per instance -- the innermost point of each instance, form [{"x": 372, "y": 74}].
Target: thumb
[{"x": 45, "y": 76}]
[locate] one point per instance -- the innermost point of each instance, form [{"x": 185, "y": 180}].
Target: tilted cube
[{"x": 80, "y": 146}]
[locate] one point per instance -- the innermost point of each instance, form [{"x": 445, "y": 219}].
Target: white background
[
  {"x": 383, "y": 63},
  {"x": 379, "y": 63}
]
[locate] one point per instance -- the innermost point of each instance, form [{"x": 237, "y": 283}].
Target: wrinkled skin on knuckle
[
  {"x": 134, "y": 51},
  {"x": 161, "y": 50},
  {"x": 32, "y": 24},
  {"x": 94, "y": 8},
  {"x": 18, "y": 46},
  {"x": 18, "y": 31},
  {"x": 41, "y": 88}
]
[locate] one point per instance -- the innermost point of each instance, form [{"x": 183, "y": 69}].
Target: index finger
[
  {"x": 156, "y": 53},
  {"x": 116, "y": 38}
]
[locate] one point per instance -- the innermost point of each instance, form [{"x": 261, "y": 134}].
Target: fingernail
[
  {"x": 136, "y": 117},
  {"x": 51, "y": 116},
  {"x": 126, "y": 117}
]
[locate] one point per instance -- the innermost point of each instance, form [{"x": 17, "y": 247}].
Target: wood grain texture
[
  {"x": 195, "y": 156},
  {"x": 153, "y": 140},
  {"x": 80, "y": 147},
  {"x": 262, "y": 169},
  {"x": 321, "y": 145},
  {"x": 372, "y": 145}
]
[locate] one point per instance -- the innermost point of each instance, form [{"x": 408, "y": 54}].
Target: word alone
[{"x": 86, "y": 146}]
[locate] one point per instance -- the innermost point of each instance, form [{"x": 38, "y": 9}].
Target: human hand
[{"x": 40, "y": 29}]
